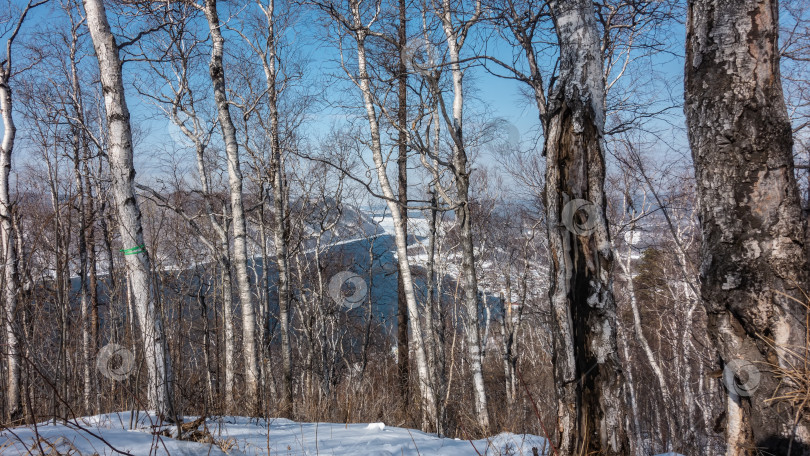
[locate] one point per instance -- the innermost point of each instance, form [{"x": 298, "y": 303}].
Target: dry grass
[{"x": 793, "y": 371}]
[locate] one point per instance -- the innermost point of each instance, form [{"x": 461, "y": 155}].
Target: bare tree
[
  {"x": 181, "y": 104},
  {"x": 129, "y": 214},
  {"x": 358, "y": 23},
  {"x": 267, "y": 50},
  {"x": 403, "y": 362},
  {"x": 217, "y": 74},
  {"x": 8, "y": 237},
  {"x": 80, "y": 146},
  {"x": 456, "y": 28}
]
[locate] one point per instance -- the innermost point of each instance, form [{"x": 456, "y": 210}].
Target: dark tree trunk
[
  {"x": 587, "y": 369},
  {"x": 402, "y": 193},
  {"x": 753, "y": 254}
]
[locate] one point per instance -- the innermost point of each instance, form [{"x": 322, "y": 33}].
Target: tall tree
[
  {"x": 402, "y": 194},
  {"x": 358, "y": 23},
  {"x": 217, "y": 74},
  {"x": 456, "y": 28},
  {"x": 753, "y": 259},
  {"x": 8, "y": 239},
  {"x": 181, "y": 101},
  {"x": 587, "y": 370},
  {"x": 137, "y": 260},
  {"x": 281, "y": 231}
]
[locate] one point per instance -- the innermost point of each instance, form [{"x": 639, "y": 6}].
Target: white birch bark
[
  {"x": 426, "y": 386},
  {"x": 626, "y": 267},
  {"x": 83, "y": 285},
  {"x": 194, "y": 130},
  {"x": 184, "y": 115},
  {"x": 638, "y": 441},
  {"x": 222, "y": 254},
  {"x": 8, "y": 237},
  {"x": 79, "y": 144},
  {"x": 217, "y": 73},
  {"x": 123, "y": 176},
  {"x": 455, "y": 36},
  {"x": 9, "y": 247},
  {"x": 281, "y": 230}
]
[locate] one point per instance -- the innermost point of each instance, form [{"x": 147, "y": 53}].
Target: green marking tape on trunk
[{"x": 134, "y": 250}]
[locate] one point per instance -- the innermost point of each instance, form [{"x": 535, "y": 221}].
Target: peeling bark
[{"x": 587, "y": 370}]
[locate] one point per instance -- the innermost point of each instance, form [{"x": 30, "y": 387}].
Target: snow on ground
[{"x": 111, "y": 434}]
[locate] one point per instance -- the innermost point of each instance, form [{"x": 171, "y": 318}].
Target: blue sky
[{"x": 490, "y": 98}]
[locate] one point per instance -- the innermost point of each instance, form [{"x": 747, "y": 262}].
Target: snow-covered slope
[{"x": 111, "y": 434}]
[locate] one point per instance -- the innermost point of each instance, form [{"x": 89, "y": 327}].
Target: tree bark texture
[
  {"x": 9, "y": 249},
  {"x": 455, "y": 37},
  {"x": 281, "y": 231},
  {"x": 753, "y": 248},
  {"x": 402, "y": 168},
  {"x": 587, "y": 370}
]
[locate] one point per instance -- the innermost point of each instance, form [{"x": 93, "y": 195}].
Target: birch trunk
[
  {"x": 587, "y": 370},
  {"x": 92, "y": 280},
  {"x": 636, "y": 442},
  {"x": 690, "y": 292},
  {"x": 511, "y": 325},
  {"x": 80, "y": 157},
  {"x": 83, "y": 285},
  {"x": 123, "y": 175},
  {"x": 8, "y": 238},
  {"x": 222, "y": 255},
  {"x": 435, "y": 324},
  {"x": 455, "y": 40},
  {"x": 281, "y": 237},
  {"x": 426, "y": 386},
  {"x": 219, "y": 249},
  {"x": 9, "y": 248},
  {"x": 194, "y": 130},
  {"x": 281, "y": 230},
  {"x": 217, "y": 74},
  {"x": 666, "y": 395},
  {"x": 750, "y": 214},
  {"x": 224, "y": 264}
]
